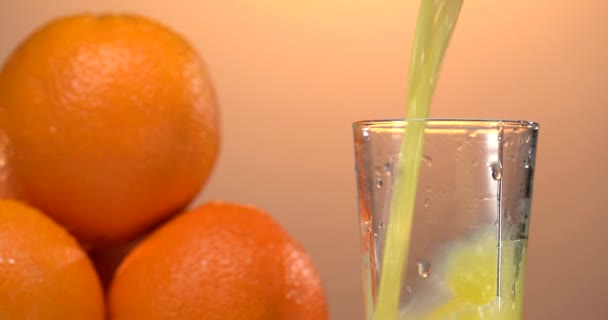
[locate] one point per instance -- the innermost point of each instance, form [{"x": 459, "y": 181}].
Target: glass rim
[{"x": 398, "y": 123}]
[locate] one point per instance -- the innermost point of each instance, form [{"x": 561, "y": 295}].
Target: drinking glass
[{"x": 471, "y": 217}]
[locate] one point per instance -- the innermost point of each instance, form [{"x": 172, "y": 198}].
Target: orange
[
  {"x": 112, "y": 124},
  {"x": 44, "y": 274},
  {"x": 220, "y": 261}
]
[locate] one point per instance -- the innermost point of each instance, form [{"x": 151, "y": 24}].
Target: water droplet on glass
[
  {"x": 496, "y": 175},
  {"x": 381, "y": 225},
  {"x": 424, "y": 269},
  {"x": 427, "y": 202},
  {"x": 375, "y": 234},
  {"x": 527, "y": 162},
  {"x": 528, "y": 138},
  {"x": 521, "y": 189},
  {"x": 495, "y": 170},
  {"x": 428, "y": 160},
  {"x": 365, "y": 134},
  {"x": 388, "y": 167},
  {"x": 506, "y": 143},
  {"x": 409, "y": 289},
  {"x": 379, "y": 182},
  {"x": 459, "y": 147},
  {"x": 428, "y": 188}
]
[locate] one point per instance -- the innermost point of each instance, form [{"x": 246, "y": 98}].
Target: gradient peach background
[{"x": 292, "y": 75}]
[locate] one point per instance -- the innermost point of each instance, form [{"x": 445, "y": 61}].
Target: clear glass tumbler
[{"x": 470, "y": 225}]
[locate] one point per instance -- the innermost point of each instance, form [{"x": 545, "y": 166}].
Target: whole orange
[
  {"x": 112, "y": 124},
  {"x": 44, "y": 274},
  {"x": 220, "y": 261}
]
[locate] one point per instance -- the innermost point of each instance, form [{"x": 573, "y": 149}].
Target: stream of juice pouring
[{"x": 436, "y": 21}]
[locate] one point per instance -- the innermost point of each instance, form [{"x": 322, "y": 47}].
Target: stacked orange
[{"x": 109, "y": 127}]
